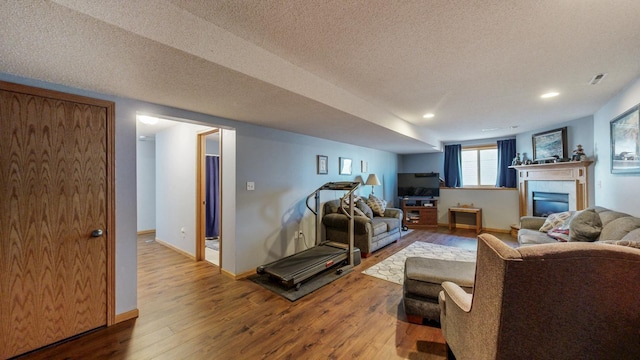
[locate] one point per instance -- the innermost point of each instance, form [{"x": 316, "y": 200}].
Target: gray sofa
[
  {"x": 370, "y": 234},
  {"x": 602, "y": 224}
]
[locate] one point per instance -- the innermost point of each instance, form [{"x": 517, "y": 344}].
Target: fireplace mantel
[{"x": 575, "y": 171}]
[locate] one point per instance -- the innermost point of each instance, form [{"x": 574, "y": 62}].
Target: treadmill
[{"x": 292, "y": 270}]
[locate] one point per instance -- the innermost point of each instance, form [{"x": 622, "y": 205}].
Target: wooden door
[{"x": 54, "y": 192}]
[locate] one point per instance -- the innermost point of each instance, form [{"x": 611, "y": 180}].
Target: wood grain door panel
[{"x": 53, "y": 194}]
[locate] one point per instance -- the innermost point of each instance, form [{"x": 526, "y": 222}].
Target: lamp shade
[{"x": 372, "y": 180}]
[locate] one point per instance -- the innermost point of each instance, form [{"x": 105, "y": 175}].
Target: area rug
[{"x": 392, "y": 268}]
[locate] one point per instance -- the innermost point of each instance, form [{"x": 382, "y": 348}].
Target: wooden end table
[{"x": 472, "y": 210}]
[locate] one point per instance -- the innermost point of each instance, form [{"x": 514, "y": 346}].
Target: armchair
[{"x": 552, "y": 301}]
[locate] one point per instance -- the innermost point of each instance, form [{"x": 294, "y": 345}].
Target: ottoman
[{"x": 422, "y": 285}]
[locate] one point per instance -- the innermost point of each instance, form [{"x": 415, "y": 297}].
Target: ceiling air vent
[{"x": 596, "y": 79}]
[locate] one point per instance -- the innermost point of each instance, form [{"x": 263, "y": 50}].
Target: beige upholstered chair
[{"x": 552, "y": 301}]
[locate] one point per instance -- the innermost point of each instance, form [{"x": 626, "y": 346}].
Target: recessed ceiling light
[
  {"x": 428, "y": 116},
  {"x": 549, "y": 95},
  {"x": 149, "y": 120}
]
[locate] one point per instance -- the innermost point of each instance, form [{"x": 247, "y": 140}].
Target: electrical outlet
[
  {"x": 300, "y": 234},
  {"x": 251, "y": 185}
]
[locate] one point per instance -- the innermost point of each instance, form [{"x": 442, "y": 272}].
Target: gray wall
[
  {"x": 283, "y": 167},
  {"x": 579, "y": 131},
  {"x": 176, "y": 159},
  {"x": 615, "y": 191},
  {"x": 213, "y": 144},
  {"x": 146, "y": 184}
]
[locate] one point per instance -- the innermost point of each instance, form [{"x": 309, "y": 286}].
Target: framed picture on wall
[
  {"x": 364, "y": 166},
  {"x": 625, "y": 145},
  {"x": 321, "y": 162},
  {"x": 345, "y": 166},
  {"x": 549, "y": 144}
]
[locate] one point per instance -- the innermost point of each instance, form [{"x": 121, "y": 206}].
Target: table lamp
[{"x": 373, "y": 181}]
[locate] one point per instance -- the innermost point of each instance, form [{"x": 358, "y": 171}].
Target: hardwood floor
[{"x": 189, "y": 311}]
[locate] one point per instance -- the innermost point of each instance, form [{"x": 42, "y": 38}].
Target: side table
[{"x": 454, "y": 210}]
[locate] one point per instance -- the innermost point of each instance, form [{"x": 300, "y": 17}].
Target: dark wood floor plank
[{"x": 189, "y": 310}]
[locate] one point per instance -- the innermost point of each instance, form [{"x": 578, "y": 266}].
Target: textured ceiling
[{"x": 361, "y": 72}]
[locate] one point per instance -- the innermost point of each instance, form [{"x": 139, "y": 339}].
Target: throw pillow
[
  {"x": 355, "y": 199},
  {"x": 585, "y": 226},
  {"x": 633, "y": 235},
  {"x": 619, "y": 228},
  {"x": 358, "y": 212},
  {"x": 555, "y": 220},
  {"x": 559, "y": 234},
  {"x": 378, "y": 206},
  {"x": 365, "y": 209}
]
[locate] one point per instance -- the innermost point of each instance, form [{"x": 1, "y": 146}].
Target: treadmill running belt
[{"x": 300, "y": 262}]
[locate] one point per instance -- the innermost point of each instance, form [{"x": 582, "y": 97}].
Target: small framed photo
[
  {"x": 322, "y": 167},
  {"x": 549, "y": 144},
  {"x": 625, "y": 144},
  {"x": 345, "y": 166},
  {"x": 364, "y": 166}
]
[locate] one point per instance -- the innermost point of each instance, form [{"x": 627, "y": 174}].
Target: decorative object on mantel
[
  {"x": 516, "y": 160},
  {"x": 625, "y": 142},
  {"x": 548, "y": 144},
  {"x": 578, "y": 154}
]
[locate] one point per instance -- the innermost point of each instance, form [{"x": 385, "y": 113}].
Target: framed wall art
[
  {"x": 321, "y": 163},
  {"x": 549, "y": 144},
  {"x": 364, "y": 166},
  {"x": 345, "y": 166},
  {"x": 625, "y": 147}
]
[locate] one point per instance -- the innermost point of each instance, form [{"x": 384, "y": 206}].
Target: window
[{"x": 479, "y": 166}]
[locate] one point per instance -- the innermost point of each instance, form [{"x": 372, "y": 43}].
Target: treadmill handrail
[
  {"x": 343, "y": 202},
  {"x": 340, "y": 185},
  {"x": 313, "y": 194}
]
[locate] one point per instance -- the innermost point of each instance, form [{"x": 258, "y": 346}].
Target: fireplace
[
  {"x": 571, "y": 177},
  {"x": 546, "y": 203}
]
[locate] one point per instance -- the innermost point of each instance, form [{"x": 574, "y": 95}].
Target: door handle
[{"x": 97, "y": 233}]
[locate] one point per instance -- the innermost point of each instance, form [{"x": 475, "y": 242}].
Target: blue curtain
[
  {"x": 212, "y": 196},
  {"x": 506, "y": 152},
  {"x": 453, "y": 165}
]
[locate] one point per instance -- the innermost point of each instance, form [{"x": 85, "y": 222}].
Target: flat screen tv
[{"x": 418, "y": 185}]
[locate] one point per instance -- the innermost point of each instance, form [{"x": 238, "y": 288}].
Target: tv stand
[{"x": 419, "y": 213}]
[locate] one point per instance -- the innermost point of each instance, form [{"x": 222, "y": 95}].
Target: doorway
[
  {"x": 209, "y": 236},
  {"x": 178, "y": 149}
]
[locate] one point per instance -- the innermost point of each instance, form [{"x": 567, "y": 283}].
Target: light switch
[{"x": 251, "y": 185}]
